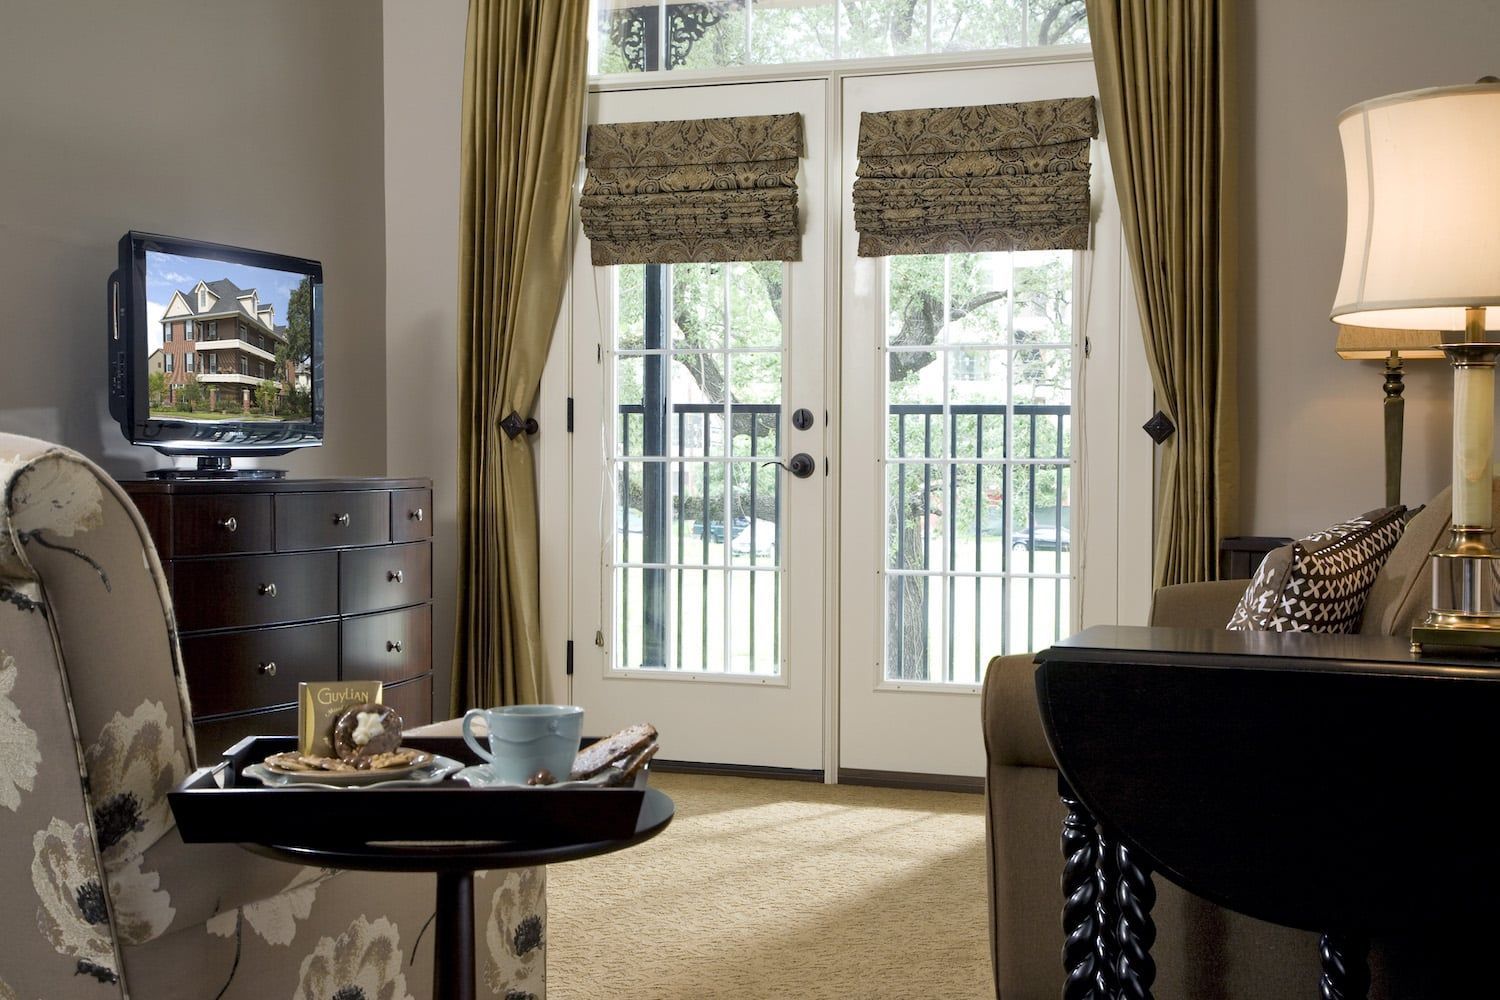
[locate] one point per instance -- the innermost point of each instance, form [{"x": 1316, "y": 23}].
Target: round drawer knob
[
  {"x": 268, "y": 669},
  {"x": 416, "y": 515},
  {"x": 394, "y": 646},
  {"x": 342, "y": 520},
  {"x": 230, "y": 524},
  {"x": 268, "y": 590},
  {"x": 396, "y": 576}
]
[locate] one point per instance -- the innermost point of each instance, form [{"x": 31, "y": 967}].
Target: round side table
[{"x": 455, "y": 865}]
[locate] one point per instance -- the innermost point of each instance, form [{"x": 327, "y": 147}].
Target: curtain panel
[
  {"x": 710, "y": 189},
  {"x": 987, "y": 177},
  {"x": 524, "y": 75},
  {"x": 1164, "y": 72}
]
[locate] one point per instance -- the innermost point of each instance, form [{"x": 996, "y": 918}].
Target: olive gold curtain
[
  {"x": 1163, "y": 75},
  {"x": 524, "y": 75}
]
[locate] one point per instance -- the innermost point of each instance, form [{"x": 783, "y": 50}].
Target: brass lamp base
[{"x": 1469, "y": 570}]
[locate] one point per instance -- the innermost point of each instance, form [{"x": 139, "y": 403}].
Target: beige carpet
[{"x": 780, "y": 889}]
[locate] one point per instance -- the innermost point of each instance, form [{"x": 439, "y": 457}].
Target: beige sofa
[
  {"x": 1202, "y": 952},
  {"x": 101, "y": 897}
]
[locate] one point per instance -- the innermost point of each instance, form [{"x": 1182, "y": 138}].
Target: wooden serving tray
[{"x": 217, "y": 805}]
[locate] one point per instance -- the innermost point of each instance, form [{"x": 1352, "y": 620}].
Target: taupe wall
[
  {"x": 424, "y": 53},
  {"x": 117, "y": 116},
  {"x": 1311, "y": 424}
]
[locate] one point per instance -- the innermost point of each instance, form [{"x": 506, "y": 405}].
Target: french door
[
  {"x": 967, "y": 491},
  {"x": 704, "y": 496},
  {"x": 971, "y": 427}
]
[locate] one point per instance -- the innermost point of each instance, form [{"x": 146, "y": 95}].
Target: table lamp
[
  {"x": 1422, "y": 252},
  {"x": 1395, "y": 348}
]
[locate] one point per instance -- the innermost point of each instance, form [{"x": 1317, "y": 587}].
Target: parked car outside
[{"x": 1040, "y": 538}]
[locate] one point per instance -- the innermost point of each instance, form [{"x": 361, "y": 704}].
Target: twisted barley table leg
[
  {"x": 1346, "y": 976},
  {"x": 1080, "y": 885},
  {"x": 1136, "y": 931}
]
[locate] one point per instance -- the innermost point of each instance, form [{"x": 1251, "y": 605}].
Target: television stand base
[{"x": 215, "y": 467}]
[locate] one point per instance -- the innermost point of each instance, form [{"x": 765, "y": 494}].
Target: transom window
[{"x": 724, "y": 33}]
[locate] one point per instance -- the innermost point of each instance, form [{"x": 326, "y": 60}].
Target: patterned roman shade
[
  {"x": 710, "y": 189},
  {"x": 986, "y": 177}
]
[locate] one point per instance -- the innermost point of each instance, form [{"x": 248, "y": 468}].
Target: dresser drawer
[
  {"x": 374, "y": 579},
  {"x": 332, "y": 520},
  {"x": 217, "y": 735},
  {"x": 389, "y": 647},
  {"x": 242, "y": 591},
  {"x": 241, "y": 671},
  {"x": 411, "y": 515},
  {"x": 412, "y": 701},
  {"x": 221, "y": 525}
]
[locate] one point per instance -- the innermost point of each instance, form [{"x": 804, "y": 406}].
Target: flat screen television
[{"x": 215, "y": 351}]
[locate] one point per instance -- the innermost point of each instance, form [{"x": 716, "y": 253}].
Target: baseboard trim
[
  {"x": 736, "y": 770},
  {"x": 913, "y": 780}
]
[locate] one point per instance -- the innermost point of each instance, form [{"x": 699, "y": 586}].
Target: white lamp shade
[{"x": 1423, "y": 238}]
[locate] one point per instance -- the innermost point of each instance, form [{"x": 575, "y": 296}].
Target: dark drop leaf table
[{"x": 1327, "y": 783}]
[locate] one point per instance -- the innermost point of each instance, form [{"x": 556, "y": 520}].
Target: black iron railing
[
  {"x": 742, "y": 516},
  {"x": 1037, "y": 449},
  {"x": 1002, "y": 444}
]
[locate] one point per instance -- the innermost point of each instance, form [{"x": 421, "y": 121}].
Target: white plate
[
  {"x": 430, "y": 773},
  {"x": 479, "y": 776}
]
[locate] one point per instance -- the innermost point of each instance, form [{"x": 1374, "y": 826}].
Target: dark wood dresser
[{"x": 280, "y": 581}]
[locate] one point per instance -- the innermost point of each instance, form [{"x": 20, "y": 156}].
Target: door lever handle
[{"x": 800, "y": 465}]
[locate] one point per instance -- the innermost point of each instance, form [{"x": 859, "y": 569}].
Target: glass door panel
[{"x": 697, "y": 369}]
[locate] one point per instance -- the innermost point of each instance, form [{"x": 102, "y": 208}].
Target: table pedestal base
[{"x": 453, "y": 942}]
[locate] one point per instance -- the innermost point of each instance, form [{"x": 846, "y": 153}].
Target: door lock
[
  {"x": 800, "y": 465},
  {"x": 802, "y": 419}
]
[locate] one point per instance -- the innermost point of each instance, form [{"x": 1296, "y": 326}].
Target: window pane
[
  {"x": 755, "y": 601},
  {"x": 627, "y": 35},
  {"x": 706, "y": 34},
  {"x": 979, "y": 292},
  {"x": 915, "y": 527},
  {"x": 873, "y": 28},
  {"x": 1057, "y": 22},
  {"x": 914, "y": 628},
  {"x": 755, "y": 304},
  {"x": 1044, "y": 297},
  {"x": 788, "y": 31},
  {"x": 967, "y": 25},
  {"x": 697, "y": 319}
]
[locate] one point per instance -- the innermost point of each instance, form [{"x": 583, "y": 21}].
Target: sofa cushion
[
  {"x": 1319, "y": 583},
  {"x": 1403, "y": 590}
]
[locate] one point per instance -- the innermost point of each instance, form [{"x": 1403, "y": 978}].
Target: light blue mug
[{"x": 525, "y": 739}]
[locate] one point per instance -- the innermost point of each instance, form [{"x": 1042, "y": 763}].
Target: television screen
[
  {"x": 227, "y": 341},
  {"x": 215, "y": 350}
]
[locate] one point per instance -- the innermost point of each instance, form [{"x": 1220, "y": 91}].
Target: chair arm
[
  {"x": 1196, "y": 605},
  {"x": 1012, "y": 723}
]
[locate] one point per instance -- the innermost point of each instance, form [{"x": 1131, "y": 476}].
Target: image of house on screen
[{"x": 226, "y": 338}]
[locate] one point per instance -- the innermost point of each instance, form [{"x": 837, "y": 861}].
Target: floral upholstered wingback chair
[{"x": 99, "y": 896}]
